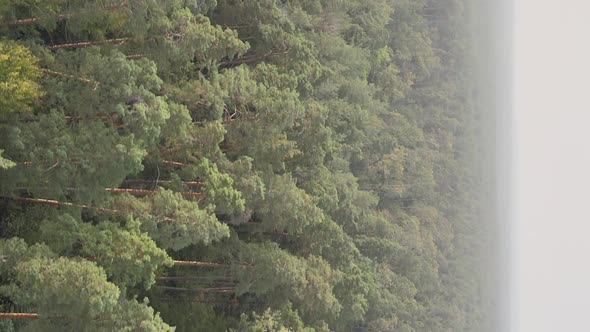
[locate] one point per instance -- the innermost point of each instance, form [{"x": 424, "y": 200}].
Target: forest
[{"x": 239, "y": 165}]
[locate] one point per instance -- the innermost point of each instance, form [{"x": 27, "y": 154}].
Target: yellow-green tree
[{"x": 18, "y": 77}]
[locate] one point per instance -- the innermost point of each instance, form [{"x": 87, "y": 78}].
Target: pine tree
[{"x": 69, "y": 294}]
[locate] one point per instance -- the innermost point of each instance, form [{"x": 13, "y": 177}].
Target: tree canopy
[{"x": 238, "y": 166}]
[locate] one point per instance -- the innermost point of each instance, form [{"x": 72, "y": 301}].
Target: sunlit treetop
[{"x": 18, "y": 77}]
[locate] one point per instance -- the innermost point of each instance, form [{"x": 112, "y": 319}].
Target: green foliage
[
  {"x": 174, "y": 222},
  {"x": 70, "y": 294},
  {"x": 128, "y": 256},
  {"x": 281, "y": 321},
  {"x": 5, "y": 163},
  {"x": 280, "y": 276},
  {"x": 183, "y": 312},
  {"x": 19, "y": 76},
  {"x": 218, "y": 189},
  {"x": 246, "y": 165},
  {"x": 288, "y": 208}
]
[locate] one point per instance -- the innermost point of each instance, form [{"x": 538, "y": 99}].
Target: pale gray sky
[{"x": 551, "y": 281}]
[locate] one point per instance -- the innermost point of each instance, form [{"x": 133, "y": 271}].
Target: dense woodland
[{"x": 238, "y": 165}]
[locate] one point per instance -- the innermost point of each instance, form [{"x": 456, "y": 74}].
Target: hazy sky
[{"x": 552, "y": 166}]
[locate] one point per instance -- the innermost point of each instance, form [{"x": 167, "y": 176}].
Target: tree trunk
[
  {"x": 132, "y": 191},
  {"x": 173, "y": 163},
  {"x": 186, "y": 278},
  {"x": 135, "y": 56},
  {"x": 81, "y": 79},
  {"x": 207, "y": 264},
  {"x": 200, "y": 290},
  {"x": 154, "y": 182},
  {"x": 199, "y": 264},
  {"x": 243, "y": 26},
  {"x": 60, "y": 203},
  {"x": 18, "y": 315},
  {"x": 34, "y": 20},
  {"x": 117, "y": 41},
  {"x": 84, "y": 206},
  {"x": 145, "y": 192}
]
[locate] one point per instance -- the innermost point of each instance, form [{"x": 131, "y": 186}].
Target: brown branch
[
  {"x": 145, "y": 192},
  {"x": 250, "y": 58},
  {"x": 200, "y": 290},
  {"x": 73, "y": 118},
  {"x": 92, "y": 117},
  {"x": 207, "y": 264},
  {"x": 199, "y": 264},
  {"x": 60, "y": 203},
  {"x": 134, "y": 191},
  {"x": 189, "y": 300},
  {"x": 173, "y": 163},
  {"x": 229, "y": 119},
  {"x": 117, "y": 41},
  {"x": 84, "y": 206},
  {"x": 81, "y": 79},
  {"x": 28, "y": 315},
  {"x": 19, "y": 315},
  {"x": 240, "y": 26},
  {"x": 34, "y": 20},
  {"x": 135, "y": 56},
  {"x": 183, "y": 278},
  {"x": 49, "y": 162},
  {"x": 131, "y": 191},
  {"x": 150, "y": 182}
]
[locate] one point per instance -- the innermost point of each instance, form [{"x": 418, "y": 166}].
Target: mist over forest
[{"x": 235, "y": 165}]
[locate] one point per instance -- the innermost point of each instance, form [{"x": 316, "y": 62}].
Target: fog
[
  {"x": 550, "y": 274},
  {"x": 532, "y": 62},
  {"x": 494, "y": 59}
]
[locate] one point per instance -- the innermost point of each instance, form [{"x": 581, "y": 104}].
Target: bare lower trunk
[
  {"x": 18, "y": 315},
  {"x": 115, "y": 41},
  {"x": 144, "y": 192},
  {"x": 207, "y": 264},
  {"x": 155, "y": 182},
  {"x": 35, "y": 20},
  {"x": 186, "y": 278},
  {"x": 229, "y": 290},
  {"x": 135, "y": 56},
  {"x": 84, "y": 206},
  {"x": 95, "y": 84},
  {"x": 173, "y": 163},
  {"x": 61, "y": 203},
  {"x": 199, "y": 264}
]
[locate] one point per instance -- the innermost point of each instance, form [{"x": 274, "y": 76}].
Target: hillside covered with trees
[{"x": 238, "y": 165}]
